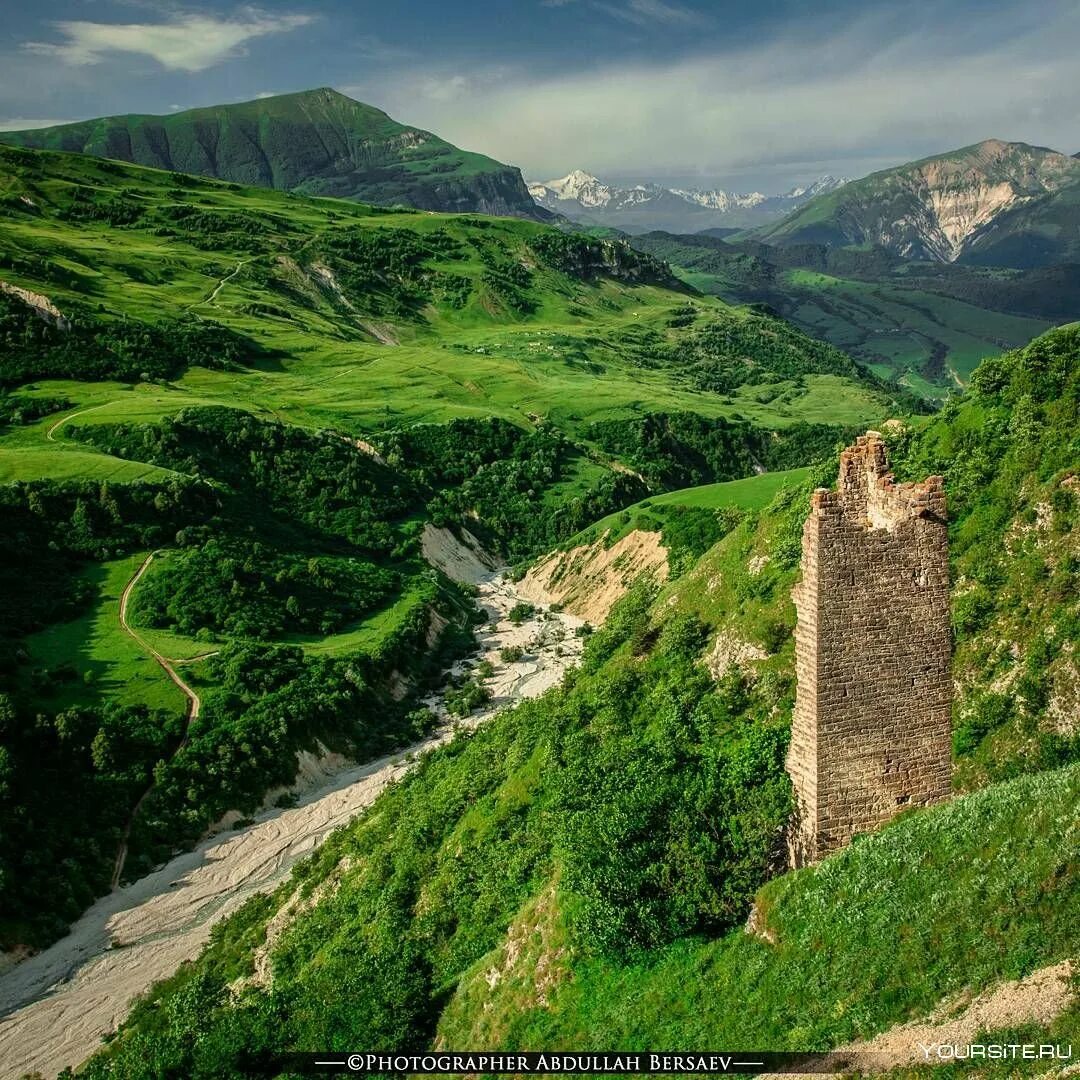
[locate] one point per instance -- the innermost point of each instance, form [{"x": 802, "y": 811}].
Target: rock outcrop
[
  {"x": 589, "y": 579},
  {"x": 994, "y": 203}
]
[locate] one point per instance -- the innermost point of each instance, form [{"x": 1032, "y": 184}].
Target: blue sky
[{"x": 749, "y": 95}]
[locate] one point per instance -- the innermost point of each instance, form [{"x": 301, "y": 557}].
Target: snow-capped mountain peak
[
  {"x": 818, "y": 187},
  {"x": 578, "y": 186},
  {"x": 584, "y": 197},
  {"x": 718, "y": 199}
]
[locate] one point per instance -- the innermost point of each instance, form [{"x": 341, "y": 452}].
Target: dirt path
[
  {"x": 71, "y": 416},
  {"x": 60, "y": 1003},
  {"x": 1038, "y": 998},
  {"x": 221, "y": 284},
  {"x": 193, "y": 706}
]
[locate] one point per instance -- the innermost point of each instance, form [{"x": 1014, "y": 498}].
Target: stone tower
[{"x": 871, "y": 732}]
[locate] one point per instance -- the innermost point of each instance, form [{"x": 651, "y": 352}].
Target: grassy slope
[
  {"x": 900, "y": 332},
  {"x": 1010, "y": 453},
  {"x": 981, "y": 890},
  {"x": 322, "y": 364},
  {"x": 106, "y": 661},
  {"x": 318, "y": 141},
  {"x": 750, "y": 493}
]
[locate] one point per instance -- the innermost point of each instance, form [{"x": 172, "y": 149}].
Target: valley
[
  {"x": 272, "y": 395},
  {"x": 403, "y": 595},
  {"x": 59, "y": 1004},
  {"x": 924, "y": 325}
]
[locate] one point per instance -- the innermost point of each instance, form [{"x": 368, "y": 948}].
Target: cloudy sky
[{"x": 748, "y": 94}]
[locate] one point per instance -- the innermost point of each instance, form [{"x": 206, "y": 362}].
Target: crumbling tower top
[{"x": 868, "y": 495}]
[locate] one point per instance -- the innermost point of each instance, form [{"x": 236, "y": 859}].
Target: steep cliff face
[
  {"x": 318, "y": 142},
  {"x": 501, "y": 192},
  {"x": 995, "y": 202}
]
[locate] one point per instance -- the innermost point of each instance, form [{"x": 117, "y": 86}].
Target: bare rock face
[
  {"x": 590, "y": 579},
  {"x": 994, "y": 203},
  {"x": 871, "y": 732},
  {"x": 43, "y": 307}
]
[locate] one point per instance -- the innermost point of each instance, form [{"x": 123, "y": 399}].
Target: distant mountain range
[
  {"x": 992, "y": 204},
  {"x": 583, "y": 198},
  {"x": 318, "y": 142}
]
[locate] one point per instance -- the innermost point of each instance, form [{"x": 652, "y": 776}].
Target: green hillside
[
  {"x": 925, "y": 325},
  {"x": 547, "y": 880},
  {"x": 339, "y": 314},
  {"x": 239, "y": 408},
  {"x": 317, "y": 142}
]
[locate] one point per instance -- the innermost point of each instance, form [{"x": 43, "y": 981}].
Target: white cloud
[
  {"x": 450, "y": 88},
  {"x": 638, "y": 12},
  {"x": 644, "y": 12},
  {"x": 809, "y": 101},
  {"x": 187, "y": 43}
]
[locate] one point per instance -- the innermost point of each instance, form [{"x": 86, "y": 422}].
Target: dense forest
[
  {"x": 263, "y": 702},
  {"x": 88, "y": 347}
]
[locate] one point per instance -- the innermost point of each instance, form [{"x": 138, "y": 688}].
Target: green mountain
[
  {"x": 594, "y": 867},
  {"x": 317, "y": 142},
  {"x": 275, "y": 395},
  {"x": 991, "y": 204}
]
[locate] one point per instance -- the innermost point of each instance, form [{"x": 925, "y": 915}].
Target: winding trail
[
  {"x": 71, "y": 416},
  {"x": 57, "y": 1005},
  {"x": 221, "y": 284},
  {"x": 193, "y": 706}
]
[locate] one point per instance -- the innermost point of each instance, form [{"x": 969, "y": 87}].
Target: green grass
[
  {"x": 369, "y": 634},
  {"x": 107, "y": 662},
  {"x": 32, "y": 463},
  {"x": 322, "y": 364},
  {"x": 893, "y": 328},
  {"x": 938, "y": 902},
  {"x": 750, "y": 493}
]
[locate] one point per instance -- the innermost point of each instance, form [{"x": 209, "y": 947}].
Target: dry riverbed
[{"x": 58, "y": 1004}]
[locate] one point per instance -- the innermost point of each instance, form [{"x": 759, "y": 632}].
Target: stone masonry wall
[{"x": 871, "y": 732}]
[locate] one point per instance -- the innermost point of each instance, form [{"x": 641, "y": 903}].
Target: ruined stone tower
[{"x": 871, "y": 732}]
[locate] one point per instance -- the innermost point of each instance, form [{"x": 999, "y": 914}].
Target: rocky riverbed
[{"x": 58, "y": 1004}]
